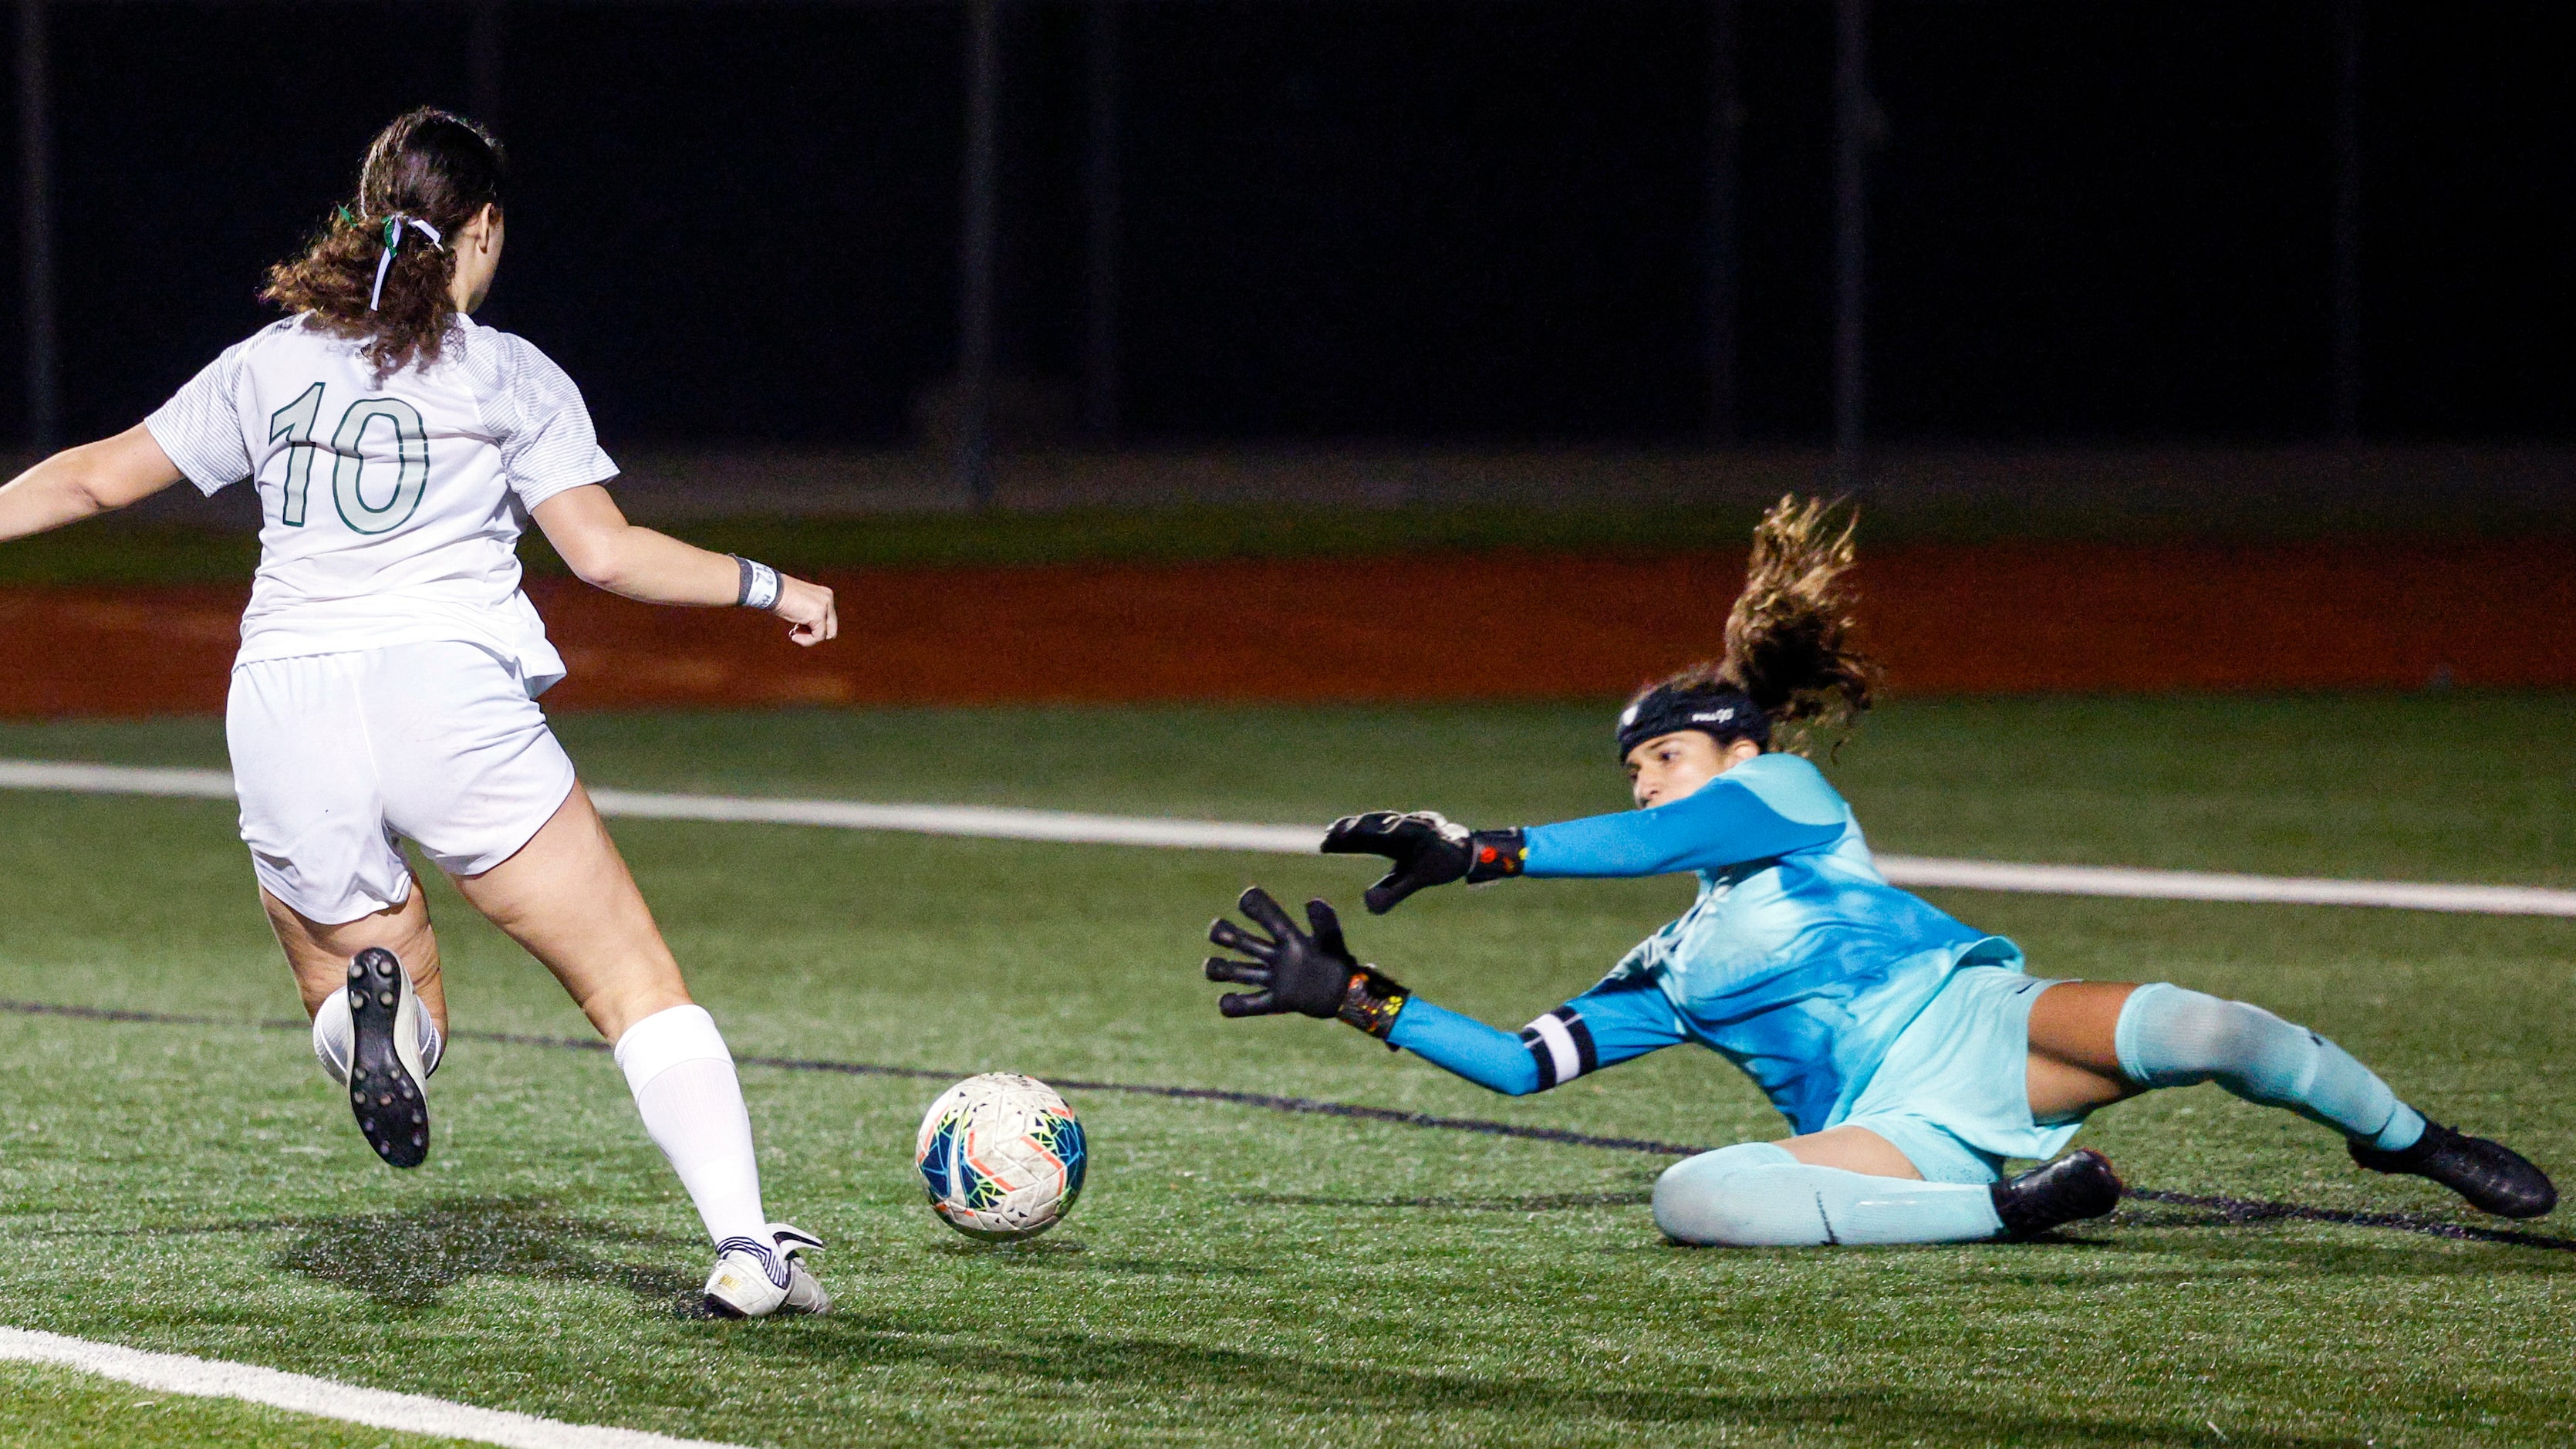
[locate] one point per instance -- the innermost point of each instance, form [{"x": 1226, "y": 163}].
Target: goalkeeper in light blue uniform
[{"x": 1911, "y": 1054}]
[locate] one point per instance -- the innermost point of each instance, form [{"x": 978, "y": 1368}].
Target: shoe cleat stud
[{"x": 385, "y": 967}]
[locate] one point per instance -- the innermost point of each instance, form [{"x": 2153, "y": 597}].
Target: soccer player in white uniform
[{"x": 389, "y": 667}]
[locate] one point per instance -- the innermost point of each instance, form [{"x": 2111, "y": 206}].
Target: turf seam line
[
  {"x": 994, "y": 822},
  {"x": 212, "y": 1378},
  {"x": 2253, "y": 1210},
  {"x": 2233, "y": 1209},
  {"x": 1307, "y": 1105}
]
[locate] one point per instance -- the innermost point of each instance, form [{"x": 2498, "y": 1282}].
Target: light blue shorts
[{"x": 1953, "y": 1093}]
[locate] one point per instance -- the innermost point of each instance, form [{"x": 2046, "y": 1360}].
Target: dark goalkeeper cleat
[
  {"x": 2493, "y": 1177},
  {"x": 385, "y": 1069},
  {"x": 2077, "y": 1186}
]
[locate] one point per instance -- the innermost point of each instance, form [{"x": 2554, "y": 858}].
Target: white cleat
[
  {"x": 804, "y": 1294},
  {"x": 751, "y": 1280},
  {"x": 746, "y": 1281}
]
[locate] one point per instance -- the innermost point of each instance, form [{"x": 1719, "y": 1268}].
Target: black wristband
[
  {"x": 1496, "y": 855},
  {"x": 759, "y": 585},
  {"x": 1371, "y": 1002}
]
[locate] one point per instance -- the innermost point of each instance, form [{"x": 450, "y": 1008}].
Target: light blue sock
[
  {"x": 2171, "y": 1037},
  {"x": 1755, "y": 1195}
]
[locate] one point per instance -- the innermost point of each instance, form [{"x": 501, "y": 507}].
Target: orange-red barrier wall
[{"x": 1948, "y": 619}]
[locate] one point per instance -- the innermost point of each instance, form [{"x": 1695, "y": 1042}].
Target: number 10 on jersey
[{"x": 296, "y": 422}]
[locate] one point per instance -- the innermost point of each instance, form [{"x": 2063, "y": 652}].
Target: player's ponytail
[
  {"x": 380, "y": 269},
  {"x": 1791, "y": 646},
  {"x": 1789, "y": 639}
]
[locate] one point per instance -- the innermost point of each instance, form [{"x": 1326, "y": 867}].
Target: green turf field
[{"x": 1238, "y": 1274}]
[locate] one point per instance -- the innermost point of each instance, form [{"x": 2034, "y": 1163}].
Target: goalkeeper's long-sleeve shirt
[{"x": 1798, "y": 961}]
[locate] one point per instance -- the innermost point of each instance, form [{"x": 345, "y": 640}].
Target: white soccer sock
[{"x": 683, "y": 1079}]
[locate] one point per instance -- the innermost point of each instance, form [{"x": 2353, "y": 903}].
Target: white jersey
[{"x": 390, "y": 509}]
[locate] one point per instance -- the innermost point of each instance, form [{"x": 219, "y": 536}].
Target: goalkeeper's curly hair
[{"x": 1791, "y": 640}]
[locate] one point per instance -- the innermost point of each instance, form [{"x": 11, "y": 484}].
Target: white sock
[{"x": 683, "y": 1079}]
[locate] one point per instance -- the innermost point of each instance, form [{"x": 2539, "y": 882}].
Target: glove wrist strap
[
  {"x": 1496, "y": 855},
  {"x": 1371, "y": 1001}
]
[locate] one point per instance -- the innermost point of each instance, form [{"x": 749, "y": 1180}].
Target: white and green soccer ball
[{"x": 1001, "y": 1155}]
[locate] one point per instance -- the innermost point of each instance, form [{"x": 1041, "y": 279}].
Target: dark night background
[{"x": 1438, "y": 221}]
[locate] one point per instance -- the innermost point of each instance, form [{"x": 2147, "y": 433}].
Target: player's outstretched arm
[
  {"x": 84, "y": 482},
  {"x": 586, "y": 527},
  {"x": 1723, "y": 823},
  {"x": 1315, "y": 975}
]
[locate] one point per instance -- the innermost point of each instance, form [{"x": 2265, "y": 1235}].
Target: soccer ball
[{"x": 1001, "y": 1155}]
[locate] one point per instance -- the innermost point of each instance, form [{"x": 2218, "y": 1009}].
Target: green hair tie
[{"x": 346, "y": 219}]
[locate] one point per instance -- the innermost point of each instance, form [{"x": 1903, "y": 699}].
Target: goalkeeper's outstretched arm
[
  {"x": 1314, "y": 973},
  {"x": 1725, "y": 822}
]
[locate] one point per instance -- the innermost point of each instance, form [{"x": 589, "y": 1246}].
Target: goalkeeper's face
[{"x": 1669, "y": 767}]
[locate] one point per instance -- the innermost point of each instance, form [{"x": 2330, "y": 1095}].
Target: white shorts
[{"x": 337, "y": 755}]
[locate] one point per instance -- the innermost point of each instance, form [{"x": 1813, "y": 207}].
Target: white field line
[
  {"x": 1004, "y": 823},
  {"x": 175, "y": 1373}
]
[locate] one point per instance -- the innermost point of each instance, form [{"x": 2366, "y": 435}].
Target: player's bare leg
[
  {"x": 568, "y": 897},
  {"x": 1853, "y": 1149},
  {"x": 2074, "y": 1049}
]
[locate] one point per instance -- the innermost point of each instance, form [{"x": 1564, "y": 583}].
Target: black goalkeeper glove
[
  {"x": 1428, "y": 849},
  {"x": 1293, "y": 971}
]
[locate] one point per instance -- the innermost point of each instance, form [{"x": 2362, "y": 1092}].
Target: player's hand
[
  {"x": 1428, "y": 849},
  {"x": 1290, "y": 970},
  {"x": 808, "y": 610}
]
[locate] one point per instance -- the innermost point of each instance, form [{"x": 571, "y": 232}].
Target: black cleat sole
[{"x": 392, "y": 1111}]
